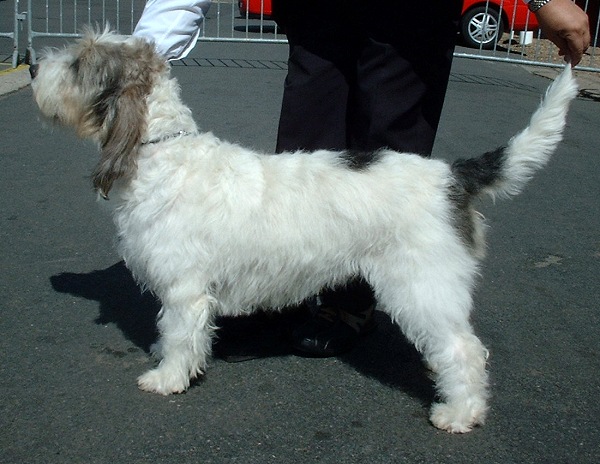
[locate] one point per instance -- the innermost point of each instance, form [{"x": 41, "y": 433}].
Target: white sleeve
[{"x": 172, "y": 25}]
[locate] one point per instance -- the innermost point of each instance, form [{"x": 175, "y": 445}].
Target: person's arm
[
  {"x": 565, "y": 24},
  {"x": 172, "y": 25}
]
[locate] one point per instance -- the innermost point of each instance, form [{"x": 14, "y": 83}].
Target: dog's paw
[
  {"x": 456, "y": 418},
  {"x": 162, "y": 381}
]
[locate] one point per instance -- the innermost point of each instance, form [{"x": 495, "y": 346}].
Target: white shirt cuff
[{"x": 172, "y": 25}]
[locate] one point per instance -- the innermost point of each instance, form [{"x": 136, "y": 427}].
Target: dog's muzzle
[{"x": 33, "y": 70}]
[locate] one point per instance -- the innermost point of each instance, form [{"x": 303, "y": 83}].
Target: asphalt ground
[{"x": 75, "y": 329}]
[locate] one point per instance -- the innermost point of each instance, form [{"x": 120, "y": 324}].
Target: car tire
[{"x": 481, "y": 27}]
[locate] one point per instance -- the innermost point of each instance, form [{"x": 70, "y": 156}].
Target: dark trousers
[{"x": 362, "y": 76}]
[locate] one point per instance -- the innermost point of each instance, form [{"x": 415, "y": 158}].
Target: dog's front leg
[{"x": 184, "y": 346}]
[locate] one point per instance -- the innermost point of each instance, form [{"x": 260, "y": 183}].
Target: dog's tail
[{"x": 505, "y": 172}]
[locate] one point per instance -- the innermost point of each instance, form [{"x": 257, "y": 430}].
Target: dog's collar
[{"x": 164, "y": 138}]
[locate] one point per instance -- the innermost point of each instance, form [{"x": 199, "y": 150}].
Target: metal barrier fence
[
  {"x": 11, "y": 31},
  {"x": 48, "y": 20},
  {"x": 499, "y": 30},
  {"x": 54, "y": 19}
]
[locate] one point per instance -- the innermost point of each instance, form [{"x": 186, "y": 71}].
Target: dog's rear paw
[
  {"x": 457, "y": 418},
  {"x": 163, "y": 381}
]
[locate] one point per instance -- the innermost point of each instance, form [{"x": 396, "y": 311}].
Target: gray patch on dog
[
  {"x": 463, "y": 214},
  {"x": 471, "y": 177},
  {"x": 358, "y": 160},
  {"x": 475, "y": 174}
]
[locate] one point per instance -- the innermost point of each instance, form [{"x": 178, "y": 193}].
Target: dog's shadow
[
  {"x": 384, "y": 355},
  {"x": 121, "y": 301}
]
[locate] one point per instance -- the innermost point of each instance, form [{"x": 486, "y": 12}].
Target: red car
[
  {"x": 255, "y": 8},
  {"x": 482, "y": 23}
]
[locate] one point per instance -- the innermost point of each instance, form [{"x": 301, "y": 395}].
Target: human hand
[{"x": 567, "y": 25}]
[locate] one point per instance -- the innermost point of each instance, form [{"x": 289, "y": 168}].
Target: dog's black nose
[{"x": 33, "y": 70}]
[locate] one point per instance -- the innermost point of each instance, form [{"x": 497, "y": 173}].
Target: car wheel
[{"x": 481, "y": 27}]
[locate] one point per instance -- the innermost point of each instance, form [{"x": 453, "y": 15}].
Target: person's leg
[
  {"x": 402, "y": 75},
  {"x": 392, "y": 106},
  {"x": 313, "y": 109},
  {"x": 321, "y": 61}
]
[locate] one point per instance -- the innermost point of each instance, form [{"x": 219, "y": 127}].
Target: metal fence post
[
  {"x": 30, "y": 50},
  {"x": 14, "y": 34}
]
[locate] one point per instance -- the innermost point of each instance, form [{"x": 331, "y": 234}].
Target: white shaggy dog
[{"x": 214, "y": 229}]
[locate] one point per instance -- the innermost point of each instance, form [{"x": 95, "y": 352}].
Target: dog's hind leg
[
  {"x": 458, "y": 361},
  {"x": 184, "y": 346},
  {"x": 432, "y": 308}
]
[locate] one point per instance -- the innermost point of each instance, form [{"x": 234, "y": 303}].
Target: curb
[{"x": 12, "y": 80}]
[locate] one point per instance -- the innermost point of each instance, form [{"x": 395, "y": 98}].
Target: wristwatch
[{"x": 535, "y": 5}]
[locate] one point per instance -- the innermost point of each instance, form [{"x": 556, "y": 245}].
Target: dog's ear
[
  {"x": 124, "y": 125},
  {"x": 120, "y": 108}
]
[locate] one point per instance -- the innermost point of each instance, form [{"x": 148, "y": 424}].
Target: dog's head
[{"x": 99, "y": 87}]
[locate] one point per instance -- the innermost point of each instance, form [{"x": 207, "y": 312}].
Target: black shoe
[{"x": 331, "y": 331}]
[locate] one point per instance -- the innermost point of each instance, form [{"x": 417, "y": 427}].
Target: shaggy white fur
[{"x": 213, "y": 228}]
